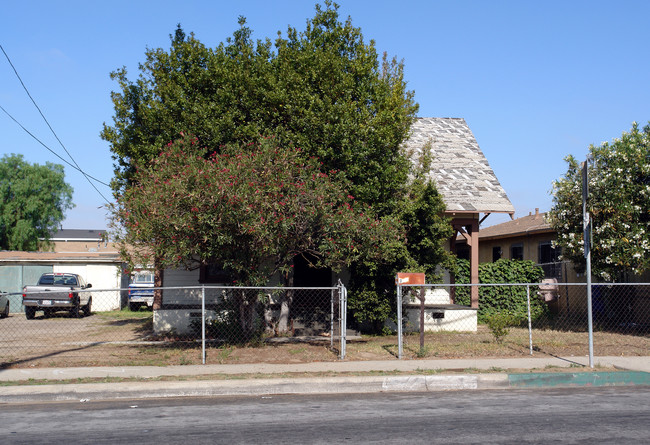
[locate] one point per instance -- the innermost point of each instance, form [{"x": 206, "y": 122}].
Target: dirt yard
[{"x": 125, "y": 338}]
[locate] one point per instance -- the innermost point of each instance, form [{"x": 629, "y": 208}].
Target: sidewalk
[{"x": 265, "y": 379}]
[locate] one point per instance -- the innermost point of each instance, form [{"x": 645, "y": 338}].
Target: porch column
[
  {"x": 452, "y": 276},
  {"x": 469, "y": 229},
  {"x": 473, "y": 263}
]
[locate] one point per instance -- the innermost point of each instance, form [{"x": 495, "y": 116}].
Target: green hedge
[{"x": 503, "y": 299}]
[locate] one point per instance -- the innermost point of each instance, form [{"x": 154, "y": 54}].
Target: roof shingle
[{"x": 460, "y": 170}]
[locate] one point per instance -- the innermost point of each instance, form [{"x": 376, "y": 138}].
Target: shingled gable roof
[{"x": 461, "y": 172}]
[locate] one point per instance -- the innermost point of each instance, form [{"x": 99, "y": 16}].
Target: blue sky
[{"x": 535, "y": 81}]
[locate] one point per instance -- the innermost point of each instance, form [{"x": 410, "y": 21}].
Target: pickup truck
[
  {"x": 4, "y": 305},
  {"x": 141, "y": 290},
  {"x": 58, "y": 292}
]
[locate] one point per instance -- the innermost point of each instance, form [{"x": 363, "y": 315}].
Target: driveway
[{"x": 63, "y": 336}]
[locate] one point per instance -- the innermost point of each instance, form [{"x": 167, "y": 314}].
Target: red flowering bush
[{"x": 250, "y": 209}]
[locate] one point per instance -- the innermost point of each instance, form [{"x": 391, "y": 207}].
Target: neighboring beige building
[
  {"x": 527, "y": 238},
  {"x": 84, "y": 252},
  {"x": 531, "y": 238}
]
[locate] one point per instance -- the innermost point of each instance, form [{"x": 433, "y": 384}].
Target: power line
[
  {"x": 52, "y": 151},
  {"x": 51, "y": 129}
]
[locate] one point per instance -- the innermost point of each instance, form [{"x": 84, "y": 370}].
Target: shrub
[
  {"x": 499, "y": 322},
  {"x": 507, "y": 299}
]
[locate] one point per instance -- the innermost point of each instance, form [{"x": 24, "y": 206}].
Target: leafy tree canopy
[
  {"x": 323, "y": 89},
  {"x": 33, "y": 199},
  {"x": 249, "y": 209},
  {"x": 619, "y": 206}
]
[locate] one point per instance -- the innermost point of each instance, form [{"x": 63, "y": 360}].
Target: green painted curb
[{"x": 621, "y": 378}]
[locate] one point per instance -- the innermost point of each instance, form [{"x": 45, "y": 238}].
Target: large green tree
[
  {"x": 33, "y": 200},
  {"x": 323, "y": 89},
  {"x": 618, "y": 203}
]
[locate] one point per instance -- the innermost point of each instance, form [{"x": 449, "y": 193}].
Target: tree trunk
[
  {"x": 247, "y": 312},
  {"x": 157, "y": 282},
  {"x": 285, "y": 303}
]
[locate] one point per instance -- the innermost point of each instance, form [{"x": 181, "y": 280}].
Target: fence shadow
[{"x": 10, "y": 364}]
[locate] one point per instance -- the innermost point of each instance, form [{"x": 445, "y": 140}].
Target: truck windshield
[
  {"x": 143, "y": 278},
  {"x": 59, "y": 280},
  {"x": 46, "y": 279}
]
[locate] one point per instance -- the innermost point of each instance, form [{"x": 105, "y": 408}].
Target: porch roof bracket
[{"x": 467, "y": 236}]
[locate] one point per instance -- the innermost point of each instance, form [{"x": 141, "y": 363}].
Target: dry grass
[{"x": 120, "y": 340}]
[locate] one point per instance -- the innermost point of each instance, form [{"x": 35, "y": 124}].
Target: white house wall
[
  {"x": 103, "y": 277},
  {"x": 79, "y": 269}
]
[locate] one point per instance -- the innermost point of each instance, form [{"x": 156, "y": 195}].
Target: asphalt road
[{"x": 579, "y": 415}]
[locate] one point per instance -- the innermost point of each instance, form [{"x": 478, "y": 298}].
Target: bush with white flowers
[{"x": 619, "y": 206}]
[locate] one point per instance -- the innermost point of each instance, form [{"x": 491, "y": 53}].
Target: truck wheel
[
  {"x": 5, "y": 313},
  {"x": 88, "y": 307},
  {"x": 30, "y": 312},
  {"x": 135, "y": 307},
  {"x": 75, "y": 312}
]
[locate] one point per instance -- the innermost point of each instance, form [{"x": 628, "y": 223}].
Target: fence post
[
  {"x": 399, "y": 320},
  {"x": 586, "y": 225},
  {"x": 203, "y": 323},
  {"x": 332, "y": 319},
  {"x": 343, "y": 308},
  {"x": 530, "y": 324},
  {"x": 345, "y": 321}
]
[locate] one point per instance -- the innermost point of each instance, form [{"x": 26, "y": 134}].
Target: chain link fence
[
  {"x": 545, "y": 318},
  {"x": 193, "y": 325},
  {"x": 210, "y": 324}
]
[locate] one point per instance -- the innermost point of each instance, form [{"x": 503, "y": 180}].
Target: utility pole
[{"x": 586, "y": 225}]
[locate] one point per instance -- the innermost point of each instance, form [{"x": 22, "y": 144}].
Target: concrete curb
[
  {"x": 330, "y": 385},
  {"x": 211, "y": 388},
  {"x": 539, "y": 380},
  {"x": 505, "y": 365}
]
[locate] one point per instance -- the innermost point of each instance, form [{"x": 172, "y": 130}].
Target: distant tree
[
  {"x": 619, "y": 206},
  {"x": 33, "y": 200},
  {"x": 251, "y": 210}
]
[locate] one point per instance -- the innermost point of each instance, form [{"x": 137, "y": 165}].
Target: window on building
[
  {"x": 547, "y": 253},
  {"x": 549, "y": 259},
  {"x": 214, "y": 273},
  {"x": 496, "y": 253},
  {"x": 517, "y": 251}
]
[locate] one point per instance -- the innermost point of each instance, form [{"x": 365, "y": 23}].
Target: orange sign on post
[{"x": 409, "y": 278}]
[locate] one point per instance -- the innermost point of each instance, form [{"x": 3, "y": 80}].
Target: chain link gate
[{"x": 309, "y": 319}]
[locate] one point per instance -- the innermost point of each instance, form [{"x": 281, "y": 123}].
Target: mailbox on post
[
  {"x": 409, "y": 278},
  {"x": 405, "y": 278}
]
